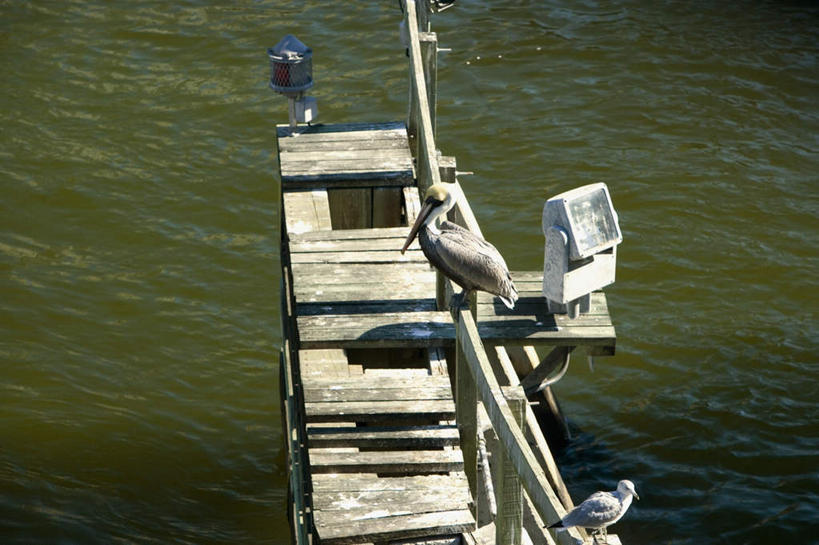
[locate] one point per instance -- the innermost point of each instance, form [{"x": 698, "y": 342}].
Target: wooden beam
[
  {"x": 427, "y": 159},
  {"x": 509, "y": 433},
  {"x": 541, "y": 376},
  {"x": 509, "y": 522}
]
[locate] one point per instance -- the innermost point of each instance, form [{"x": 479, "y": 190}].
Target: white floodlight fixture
[{"x": 582, "y": 234}]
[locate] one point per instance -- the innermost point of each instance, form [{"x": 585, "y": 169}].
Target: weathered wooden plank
[
  {"x": 353, "y": 234},
  {"x": 360, "y": 257},
  {"x": 447, "y": 499},
  {"x": 306, "y": 211},
  {"x": 543, "y": 321},
  {"x": 321, "y": 274},
  {"x": 390, "y": 155},
  {"x": 353, "y": 245},
  {"x": 391, "y": 142},
  {"x": 394, "y": 437},
  {"x": 388, "y": 462},
  {"x": 387, "y": 205},
  {"x": 393, "y": 527},
  {"x": 345, "y": 166},
  {"x": 412, "y": 329},
  {"x": 365, "y": 272},
  {"x": 602, "y": 338},
  {"x": 375, "y": 411},
  {"x": 364, "y": 292},
  {"x": 342, "y": 130},
  {"x": 536, "y": 305},
  {"x": 375, "y": 393},
  {"x": 387, "y": 379},
  {"x": 366, "y": 307},
  {"x": 363, "y": 482},
  {"x": 338, "y": 180},
  {"x": 323, "y": 362}
]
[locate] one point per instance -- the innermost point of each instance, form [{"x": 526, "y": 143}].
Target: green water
[{"x": 139, "y": 254}]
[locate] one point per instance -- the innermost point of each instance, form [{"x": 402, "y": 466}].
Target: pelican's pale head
[{"x": 439, "y": 199}]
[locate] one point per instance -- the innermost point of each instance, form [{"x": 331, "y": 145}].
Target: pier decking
[{"x": 380, "y": 384}]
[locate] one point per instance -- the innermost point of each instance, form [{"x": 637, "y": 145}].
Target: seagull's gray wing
[{"x": 598, "y": 510}]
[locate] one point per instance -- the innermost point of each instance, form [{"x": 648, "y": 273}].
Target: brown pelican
[{"x": 462, "y": 256}]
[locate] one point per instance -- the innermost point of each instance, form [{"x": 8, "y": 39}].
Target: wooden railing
[{"x": 506, "y": 407}]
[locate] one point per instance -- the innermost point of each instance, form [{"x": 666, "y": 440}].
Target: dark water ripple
[{"x": 138, "y": 247}]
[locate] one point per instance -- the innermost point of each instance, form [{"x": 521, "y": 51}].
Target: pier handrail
[{"x": 475, "y": 379}]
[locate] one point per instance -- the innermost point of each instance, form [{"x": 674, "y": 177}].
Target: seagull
[
  {"x": 600, "y": 510},
  {"x": 462, "y": 256}
]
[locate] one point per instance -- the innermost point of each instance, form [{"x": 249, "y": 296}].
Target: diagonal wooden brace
[{"x": 544, "y": 374}]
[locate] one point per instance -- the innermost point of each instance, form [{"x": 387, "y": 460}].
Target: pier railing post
[
  {"x": 429, "y": 56},
  {"x": 509, "y": 491},
  {"x": 466, "y": 414}
]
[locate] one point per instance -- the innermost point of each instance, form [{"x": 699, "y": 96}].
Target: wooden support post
[
  {"x": 447, "y": 166},
  {"x": 509, "y": 523},
  {"x": 466, "y": 413},
  {"x": 412, "y": 118},
  {"x": 512, "y": 439},
  {"x": 429, "y": 56}
]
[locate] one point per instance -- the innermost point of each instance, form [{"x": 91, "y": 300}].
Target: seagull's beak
[
  {"x": 635, "y": 495},
  {"x": 426, "y": 210}
]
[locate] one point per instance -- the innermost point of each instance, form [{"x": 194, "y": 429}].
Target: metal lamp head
[
  {"x": 291, "y": 66},
  {"x": 291, "y": 74}
]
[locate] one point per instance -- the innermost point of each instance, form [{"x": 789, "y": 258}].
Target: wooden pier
[{"x": 381, "y": 384}]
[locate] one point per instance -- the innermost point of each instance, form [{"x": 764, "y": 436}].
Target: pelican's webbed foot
[{"x": 458, "y": 300}]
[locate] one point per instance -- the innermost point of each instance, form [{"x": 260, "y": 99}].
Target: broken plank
[{"x": 306, "y": 211}]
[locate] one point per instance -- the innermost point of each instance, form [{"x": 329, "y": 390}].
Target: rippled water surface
[{"x": 139, "y": 255}]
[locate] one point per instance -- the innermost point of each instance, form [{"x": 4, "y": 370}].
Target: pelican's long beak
[{"x": 426, "y": 210}]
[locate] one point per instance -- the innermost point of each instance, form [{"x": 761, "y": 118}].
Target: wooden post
[
  {"x": 429, "y": 56},
  {"x": 509, "y": 523},
  {"x": 512, "y": 439},
  {"x": 466, "y": 414},
  {"x": 426, "y": 160}
]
